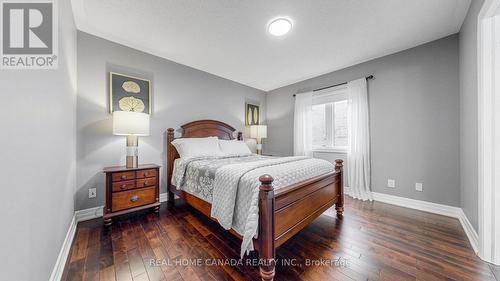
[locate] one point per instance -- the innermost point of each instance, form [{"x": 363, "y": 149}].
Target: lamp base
[
  {"x": 132, "y": 151},
  {"x": 132, "y": 162},
  {"x": 259, "y": 148}
]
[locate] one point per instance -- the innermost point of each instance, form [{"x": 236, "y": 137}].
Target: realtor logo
[{"x": 29, "y": 35}]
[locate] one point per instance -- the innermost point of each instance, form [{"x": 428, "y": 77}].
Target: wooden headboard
[{"x": 197, "y": 129}]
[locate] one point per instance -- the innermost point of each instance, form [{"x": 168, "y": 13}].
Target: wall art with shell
[
  {"x": 252, "y": 114},
  {"x": 127, "y": 93}
]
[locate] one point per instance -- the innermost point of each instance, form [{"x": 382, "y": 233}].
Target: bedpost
[
  {"x": 240, "y": 136},
  {"x": 170, "y": 163},
  {"x": 339, "y": 206},
  {"x": 266, "y": 237}
]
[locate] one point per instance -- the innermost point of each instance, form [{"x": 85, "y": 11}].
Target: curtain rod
[{"x": 327, "y": 87}]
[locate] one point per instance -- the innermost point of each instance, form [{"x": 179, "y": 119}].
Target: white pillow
[
  {"x": 234, "y": 148},
  {"x": 198, "y": 147}
]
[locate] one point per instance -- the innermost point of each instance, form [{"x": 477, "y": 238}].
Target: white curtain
[
  {"x": 302, "y": 126},
  {"x": 358, "y": 155}
]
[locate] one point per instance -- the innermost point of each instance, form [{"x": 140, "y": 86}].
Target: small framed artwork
[
  {"x": 127, "y": 93},
  {"x": 252, "y": 114}
]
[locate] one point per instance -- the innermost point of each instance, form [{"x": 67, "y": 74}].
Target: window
[{"x": 329, "y": 116}]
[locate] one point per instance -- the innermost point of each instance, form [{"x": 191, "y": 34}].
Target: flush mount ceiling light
[{"x": 279, "y": 27}]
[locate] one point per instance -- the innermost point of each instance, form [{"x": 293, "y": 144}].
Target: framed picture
[
  {"x": 127, "y": 93},
  {"x": 252, "y": 114}
]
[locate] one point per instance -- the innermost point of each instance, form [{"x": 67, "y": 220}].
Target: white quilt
[{"x": 236, "y": 190}]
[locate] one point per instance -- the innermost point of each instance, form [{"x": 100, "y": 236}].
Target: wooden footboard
[
  {"x": 282, "y": 213},
  {"x": 285, "y": 212}
]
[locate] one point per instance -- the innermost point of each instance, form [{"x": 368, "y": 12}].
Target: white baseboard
[
  {"x": 64, "y": 252},
  {"x": 89, "y": 214},
  {"x": 420, "y": 205},
  {"x": 469, "y": 231},
  {"x": 440, "y": 209}
]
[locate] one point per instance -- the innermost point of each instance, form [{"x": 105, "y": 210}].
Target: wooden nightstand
[{"x": 131, "y": 189}]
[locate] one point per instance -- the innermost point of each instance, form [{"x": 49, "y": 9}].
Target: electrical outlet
[
  {"x": 419, "y": 186},
  {"x": 92, "y": 193},
  {"x": 391, "y": 183}
]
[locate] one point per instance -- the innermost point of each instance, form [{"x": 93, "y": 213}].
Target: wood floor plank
[
  {"x": 75, "y": 270},
  {"x": 135, "y": 262},
  {"x": 106, "y": 248},
  {"x": 91, "y": 272},
  {"x": 120, "y": 258},
  {"x": 107, "y": 274},
  {"x": 141, "y": 277},
  {"x": 80, "y": 246},
  {"x": 375, "y": 241}
]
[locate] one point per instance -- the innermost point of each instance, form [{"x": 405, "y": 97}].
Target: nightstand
[{"x": 131, "y": 189}]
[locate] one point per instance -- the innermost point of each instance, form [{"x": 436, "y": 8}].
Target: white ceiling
[{"x": 229, "y": 38}]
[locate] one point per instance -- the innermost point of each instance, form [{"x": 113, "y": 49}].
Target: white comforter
[{"x": 236, "y": 189}]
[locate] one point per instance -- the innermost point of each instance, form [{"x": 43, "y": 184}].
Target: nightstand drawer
[
  {"x": 133, "y": 198},
  {"x": 146, "y": 173},
  {"x": 146, "y": 182},
  {"x": 123, "y": 185},
  {"x": 123, "y": 176}
]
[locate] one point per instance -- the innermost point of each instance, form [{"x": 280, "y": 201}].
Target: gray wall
[
  {"x": 38, "y": 160},
  {"x": 468, "y": 114},
  {"x": 180, "y": 94},
  {"x": 414, "y": 119},
  {"x": 332, "y": 156}
]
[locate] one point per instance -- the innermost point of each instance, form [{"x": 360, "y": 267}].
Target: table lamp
[
  {"x": 258, "y": 132},
  {"x": 131, "y": 124}
]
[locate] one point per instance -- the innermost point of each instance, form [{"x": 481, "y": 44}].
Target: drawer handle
[
  {"x": 146, "y": 174},
  {"x": 134, "y": 198},
  {"x": 145, "y": 182},
  {"x": 124, "y": 177},
  {"x": 123, "y": 186}
]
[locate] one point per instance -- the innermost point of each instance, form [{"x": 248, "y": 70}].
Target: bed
[{"x": 277, "y": 208}]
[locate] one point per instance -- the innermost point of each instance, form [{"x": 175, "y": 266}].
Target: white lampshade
[
  {"x": 258, "y": 131},
  {"x": 130, "y": 123}
]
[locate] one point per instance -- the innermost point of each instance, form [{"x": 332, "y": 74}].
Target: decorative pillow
[
  {"x": 198, "y": 147},
  {"x": 234, "y": 148}
]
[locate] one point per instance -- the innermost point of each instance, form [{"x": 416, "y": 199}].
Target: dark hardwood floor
[{"x": 374, "y": 241}]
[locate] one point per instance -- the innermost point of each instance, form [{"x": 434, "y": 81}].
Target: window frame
[{"x": 329, "y": 97}]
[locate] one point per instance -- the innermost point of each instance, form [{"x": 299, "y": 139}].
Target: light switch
[{"x": 419, "y": 186}]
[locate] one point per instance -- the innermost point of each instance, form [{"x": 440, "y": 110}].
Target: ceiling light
[{"x": 279, "y": 27}]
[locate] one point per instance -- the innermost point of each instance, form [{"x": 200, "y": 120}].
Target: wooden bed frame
[{"x": 282, "y": 213}]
